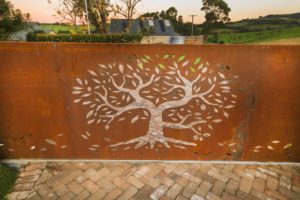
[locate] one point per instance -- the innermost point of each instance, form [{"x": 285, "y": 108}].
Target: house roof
[{"x": 160, "y": 27}]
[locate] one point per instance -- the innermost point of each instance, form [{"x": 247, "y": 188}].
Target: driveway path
[{"x": 142, "y": 181}]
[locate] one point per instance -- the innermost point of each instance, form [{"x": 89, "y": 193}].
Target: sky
[{"x": 240, "y": 9}]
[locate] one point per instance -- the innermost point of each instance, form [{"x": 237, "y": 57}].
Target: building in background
[{"x": 161, "y": 31}]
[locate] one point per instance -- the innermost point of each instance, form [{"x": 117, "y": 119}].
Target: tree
[
  {"x": 68, "y": 10},
  {"x": 216, "y": 12},
  {"x": 180, "y": 19},
  {"x": 10, "y": 19},
  {"x": 167, "y": 91},
  {"x": 98, "y": 12},
  {"x": 150, "y": 15},
  {"x": 127, "y": 8},
  {"x": 171, "y": 13},
  {"x": 5, "y": 8}
]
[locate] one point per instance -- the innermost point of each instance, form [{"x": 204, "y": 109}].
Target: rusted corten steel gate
[{"x": 111, "y": 101}]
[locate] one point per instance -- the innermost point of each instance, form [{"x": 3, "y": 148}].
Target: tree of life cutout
[{"x": 169, "y": 91}]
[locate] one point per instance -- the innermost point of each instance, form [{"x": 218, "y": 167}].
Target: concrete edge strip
[{"x": 24, "y": 161}]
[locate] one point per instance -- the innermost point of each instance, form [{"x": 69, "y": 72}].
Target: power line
[{"x": 193, "y": 23}]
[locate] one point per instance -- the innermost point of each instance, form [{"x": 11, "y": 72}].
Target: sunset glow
[{"x": 42, "y": 12}]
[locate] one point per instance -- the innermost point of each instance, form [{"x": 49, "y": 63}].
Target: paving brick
[
  {"x": 190, "y": 189},
  {"x": 288, "y": 193},
  {"x": 88, "y": 174},
  {"x": 256, "y": 173},
  {"x": 67, "y": 196},
  {"x": 60, "y": 190},
  {"x": 206, "y": 177},
  {"x": 174, "y": 191},
  {"x": 33, "y": 196},
  {"x": 182, "y": 181},
  {"x": 165, "y": 198},
  {"x": 204, "y": 188},
  {"x": 218, "y": 187},
  {"x": 244, "y": 174},
  {"x": 285, "y": 182},
  {"x": 150, "y": 181},
  {"x": 180, "y": 169},
  {"x": 272, "y": 183},
  {"x": 35, "y": 166},
  {"x": 45, "y": 176},
  {"x": 163, "y": 179},
  {"x": 81, "y": 165},
  {"x": 135, "y": 182},
  {"x": 62, "y": 178},
  {"x": 170, "y": 168},
  {"x": 211, "y": 196},
  {"x": 230, "y": 175},
  {"x": 27, "y": 179},
  {"x": 215, "y": 174},
  {"x": 193, "y": 168},
  {"x": 232, "y": 186},
  {"x": 128, "y": 172},
  {"x": 52, "y": 196},
  {"x": 82, "y": 195},
  {"x": 43, "y": 190},
  {"x": 30, "y": 173},
  {"x": 261, "y": 195},
  {"x": 267, "y": 172},
  {"x": 296, "y": 189},
  {"x": 114, "y": 173},
  {"x": 245, "y": 196},
  {"x": 159, "y": 192},
  {"x": 99, "y": 194},
  {"x": 24, "y": 187},
  {"x": 18, "y": 195},
  {"x": 275, "y": 195},
  {"x": 197, "y": 197},
  {"x": 75, "y": 187},
  {"x": 281, "y": 172},
  {"x": 259, "y": 184},
  {"x": 179, "y": 197},
  {"x": 106, "y": 185},
  {"x": 128, "y": 193},
  {"x": 144, "y": 193},
  {"x": 191, "y": 178},
  {"x": 99, "y": 174},
  {"x": 141, "y": 171},
  {"x": 114, "y": 194},
  {"x": 229, "y": 167},
  {"x": 121, "y": 183},
  {"x": 227, "y": 196},
  {"x": 90, "y": 186},
  {"x": 245, "y": 185}
]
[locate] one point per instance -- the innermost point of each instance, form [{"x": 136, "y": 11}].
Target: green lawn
[
  {"x": 8, "y": 177},
  {"x": 255, "y": 37},
  {"x": 57, "y": 28}
]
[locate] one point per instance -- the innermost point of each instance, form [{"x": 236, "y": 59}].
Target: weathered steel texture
[{"x": 40, "y": 82}]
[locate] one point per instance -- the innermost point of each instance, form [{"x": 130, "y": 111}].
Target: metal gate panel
[{"x": 153, "y": 102}]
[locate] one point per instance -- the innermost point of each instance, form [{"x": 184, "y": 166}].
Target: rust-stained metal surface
[{"x": 160, "y": 102}]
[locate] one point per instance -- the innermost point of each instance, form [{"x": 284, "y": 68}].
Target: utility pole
[
  {"x": 193, "y": 23},
  {"x": 87, "y": 16}
]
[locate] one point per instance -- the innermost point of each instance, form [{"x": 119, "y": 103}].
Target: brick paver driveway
[{"x": 164, "y": 181}]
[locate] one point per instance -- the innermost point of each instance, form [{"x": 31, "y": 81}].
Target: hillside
[{"x": 262, "y": 29}]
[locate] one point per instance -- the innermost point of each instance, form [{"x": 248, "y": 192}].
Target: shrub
[
  {"x": 31, "y": 36},
  {"x": 63, "y": 32},
  {"x": 93, "y": 38},
  {"x": 8, "y": 177}
]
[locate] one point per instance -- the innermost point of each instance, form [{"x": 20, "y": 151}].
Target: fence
[{"x": 161, "y": 102}]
